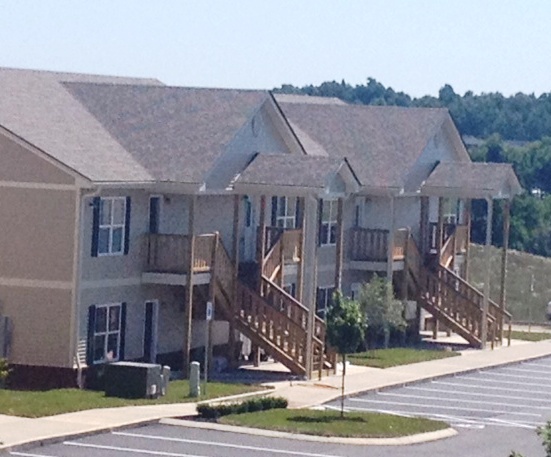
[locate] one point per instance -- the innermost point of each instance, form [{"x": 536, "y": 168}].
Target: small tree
[
  {"x": 381, "y": 309},
  {"x": 345, "y": 330}
]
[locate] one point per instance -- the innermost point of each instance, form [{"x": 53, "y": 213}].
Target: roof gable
[
  {"x": 381, "y": 143},
  {"x": 174, "y": 133}
]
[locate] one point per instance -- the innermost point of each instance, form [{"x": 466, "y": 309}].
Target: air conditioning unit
[{"x": 133, "y": 380}]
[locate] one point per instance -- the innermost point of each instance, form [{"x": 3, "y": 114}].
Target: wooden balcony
[
  {"x": 169, "y": 254},
  {"x": 371, "y": 245}
]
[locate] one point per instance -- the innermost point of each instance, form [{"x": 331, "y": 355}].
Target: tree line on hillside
[
  {"x": 514, "y": 130},
  {"x": 521, "y": 117}
]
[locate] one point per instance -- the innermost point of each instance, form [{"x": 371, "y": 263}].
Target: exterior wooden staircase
[
  {"x": 450, "y": 299},
  {"x": 270, "y": 317}
]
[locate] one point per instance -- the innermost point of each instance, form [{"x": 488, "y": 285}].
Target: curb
[
  {"x": 27, "y": 444},
  {"x": 399, "y": 441},
  {"x": 30, "y": 443}
]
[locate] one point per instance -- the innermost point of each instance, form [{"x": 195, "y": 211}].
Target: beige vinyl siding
[{"x": 21, "y": 165}]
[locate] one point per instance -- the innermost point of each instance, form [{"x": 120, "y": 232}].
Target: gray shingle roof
[
  {"x": 174, "y": 133},
  {"x": 112, "y": 129},
  {"x": 381, "y": 143},
  {"x": 35, "y": 106},
  {"x": 290, "y": 170},
  {"x": 473, "y": 180}
]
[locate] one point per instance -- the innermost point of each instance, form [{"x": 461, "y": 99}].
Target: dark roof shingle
[{"x": 381, "y": 143}]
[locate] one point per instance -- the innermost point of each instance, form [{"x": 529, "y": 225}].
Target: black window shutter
[
  {"x": 123, "y": 331},
  {"x": 320, "y": 221},
  {"x": 298, "y": 213},
  {"x": 90, "y": 344},
  {"x": 96, "y": 202},
  {"x": 127, "y": 226},
  {"x": 274, "y": 211}
]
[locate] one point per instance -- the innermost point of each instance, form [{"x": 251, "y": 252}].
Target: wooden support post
[
  {"x": 261, "y": 241},
  {"x": 235, "y": 256},
  {"x": 281, "y": 274},
  {"x": 440, "y": 229},
  {"x": 468, "y": 212},
  {"x": 212, "y": 299},
  {"x": 424, "y": 226},
  {"x": 486, "y": 298},
  {"x": 301, "y": 249},
  {"x": 503, "y": 292},
  {"x": 340, "y": 244},
  {"x": 188, "y": 291}
]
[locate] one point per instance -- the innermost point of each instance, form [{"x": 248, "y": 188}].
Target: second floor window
[
  {"x": 328, "y": 222},
  {"x": 110, "y": 226},
  {"x": 112, "y": 215},
  {"x": 284, "y": 212}
]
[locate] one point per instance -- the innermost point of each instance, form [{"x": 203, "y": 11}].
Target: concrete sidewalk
[{"x": 16, "y": 431}]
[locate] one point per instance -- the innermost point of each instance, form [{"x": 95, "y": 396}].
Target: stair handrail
[
  {"x": 272, "y": 259},
  {"x": 493, "y": 306}
]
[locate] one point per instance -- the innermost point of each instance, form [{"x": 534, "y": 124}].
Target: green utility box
[{"x": 133, "y": 380}]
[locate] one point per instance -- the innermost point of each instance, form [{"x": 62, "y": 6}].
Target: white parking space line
[
  {"x": 544, "y": 365},
  {"x": 463, "y": 400},
  {"x": 479, "y": 386},
  {"x": 518, "y": 376},
  {"x": 476, "y": 394},
  {"x": 28, "y": 454},
  {"x": 490, "y": 421},
  {"x": 527, "y": 370},
  {"x": 516, "y": 383},
  {"x": 433, "y": 406},
  {"x": 129, "y": 449},
  {"x": 220, "y": 444}
]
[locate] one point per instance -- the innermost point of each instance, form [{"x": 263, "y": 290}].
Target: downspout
[{"x": 80, "y": 208}]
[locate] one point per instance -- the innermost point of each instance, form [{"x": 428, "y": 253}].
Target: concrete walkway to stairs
[{"x": 17, "y": 431}]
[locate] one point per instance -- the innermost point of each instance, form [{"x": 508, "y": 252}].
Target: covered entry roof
[{"x": 472, "y": 180}]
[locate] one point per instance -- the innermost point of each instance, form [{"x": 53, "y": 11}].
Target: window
[
  {"x": 111, "y": 228},
  {"x": 291, "y": 289},
  {"x": 284, "y": 211},
  {"x": 324, "y": 298},
  {"x": 154, "y": 213},
  {"x": 328, "y": 222},
  {"x": 107, "y": 332}
]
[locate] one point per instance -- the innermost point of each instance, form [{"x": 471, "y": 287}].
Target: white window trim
[
  {"x": 107, "y": 332},
  {"x": 111, "y": 227},
  {"x": 333, "y": 207},
  {"x": 286, "y": 217}
]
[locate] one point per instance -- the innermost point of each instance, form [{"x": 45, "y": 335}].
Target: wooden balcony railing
[
  {"x": 170, "y": 253},
  {"x": 372, "y": 244}
]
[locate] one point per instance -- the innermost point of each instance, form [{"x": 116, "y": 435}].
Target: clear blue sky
[{"x": 414, "y": 46}]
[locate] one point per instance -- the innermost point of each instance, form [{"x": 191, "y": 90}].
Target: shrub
[
  {"x": 4, "y": 372},
  {"x": 208, "y": 411}
]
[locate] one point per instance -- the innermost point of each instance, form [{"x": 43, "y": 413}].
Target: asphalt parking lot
[
  {"x": 494, "y": 410},
  {"x": 511, "y": 396}
]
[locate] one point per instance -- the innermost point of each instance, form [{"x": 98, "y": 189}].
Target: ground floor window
[
  {"x": 324, "y": 298},
  {"x": 105, "y": 328}
]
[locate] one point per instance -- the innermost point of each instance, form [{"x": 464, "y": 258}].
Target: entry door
[
  {"x": 248, "y": 245},
  {"x": 150, "y": 331}
]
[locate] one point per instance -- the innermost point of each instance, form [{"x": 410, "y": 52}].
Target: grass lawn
[
  {"x": 46, "y": 403},
  {"x": 530, "y": 336},
  {"x": 329, "y": 423},
  {"x": 385, "y": 358}
]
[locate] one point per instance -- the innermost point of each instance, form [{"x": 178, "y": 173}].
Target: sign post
[{"x": 208, "y": 321}]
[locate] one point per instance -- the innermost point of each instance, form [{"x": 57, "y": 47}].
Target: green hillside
[{"x": 524, "y": 302}]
